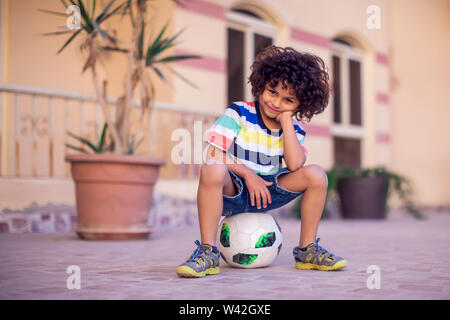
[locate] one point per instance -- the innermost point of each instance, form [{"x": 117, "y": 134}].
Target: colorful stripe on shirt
[{"x": 242, "y": 134}]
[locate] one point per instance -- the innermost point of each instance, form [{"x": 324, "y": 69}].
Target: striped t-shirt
[{"x": 242, "y": 134}]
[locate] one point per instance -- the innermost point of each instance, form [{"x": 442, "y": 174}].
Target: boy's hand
[
  {"x": 285, "y": 117},
  {"x": 257, "y": 187}
]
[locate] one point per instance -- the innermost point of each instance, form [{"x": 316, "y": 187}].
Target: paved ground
[{"x": 413, "y": 257}]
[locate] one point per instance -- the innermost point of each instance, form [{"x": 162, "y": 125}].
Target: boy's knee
[
  {"x": 213, "y": 173},
  {"x": 316, "y": 176}
]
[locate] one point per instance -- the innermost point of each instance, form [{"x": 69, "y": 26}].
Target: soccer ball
[{"x": 249, "y": 240}]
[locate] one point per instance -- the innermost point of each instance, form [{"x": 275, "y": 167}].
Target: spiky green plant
[
  {"x": 99, "y": 147},
  {"x": 98, "y": 40}
]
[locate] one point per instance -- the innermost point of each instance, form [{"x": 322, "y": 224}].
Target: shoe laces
[
  {"x": 197, "y": 251},
  {"x": 322, "y": 249}
]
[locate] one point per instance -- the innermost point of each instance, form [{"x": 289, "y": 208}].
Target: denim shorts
[{"x": 241, "y": 201}]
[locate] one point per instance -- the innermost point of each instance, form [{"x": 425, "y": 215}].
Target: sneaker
[
  {"x": 318, "y": 258},
  {"x": 204, "y": 261}
]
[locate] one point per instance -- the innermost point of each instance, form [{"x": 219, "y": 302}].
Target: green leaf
[
  {"x": 177, "y": 58},
  {"x": 85, "y": 17},
  {"x": 168, "y": 43},
  {"x": 160, "y": 45},
  {"x": 128, "y": 9},
  {"x": 115, "y": 49},
  {"x": 157, "y": 47},
  {"x": 69, "y": 40},
  {"x": 127, "y": 6},
  {"x": 72, "y": 2},
  {"x": 161, "y": 48},
  {"x": 176, "y": 35},
  {"x": 104, "y": 12},
  {"x": 76, "y": 148},
  {"x": 108, "y": 15},
  {"x": 99, "y": 31},
  {"x": 83, "y": 141},
  {"x": 179, "y": 75},
  {"x": 64, "y": 3},
  {"x": 103, "y": 33},
  {"x": 130, "y": 149},
  {"x": 161, "y": 75},
  {"x": 102, "y": 138},
  {"x": 138, "y": 144},
  {"x": 56, "y": 33},
  {"x": 155, "y": 44},
  {"x": 93, "y": 9},
  {"x": 140, "y": 43},
  {"x": 132, "y": 145},
  {"x": 53, "y": 12}
]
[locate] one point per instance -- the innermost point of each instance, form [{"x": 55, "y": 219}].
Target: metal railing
[{"x": 34, "y": 124}]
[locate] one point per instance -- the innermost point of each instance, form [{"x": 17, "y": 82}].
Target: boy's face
[{"x": 275, "y": 100}]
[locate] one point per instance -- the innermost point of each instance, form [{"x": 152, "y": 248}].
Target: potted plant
[
  {"x": 365, "y": 193},
  {"x": 114, "y": 186}
]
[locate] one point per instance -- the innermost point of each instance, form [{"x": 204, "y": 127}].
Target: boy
[{"x": 243, "y": 171}]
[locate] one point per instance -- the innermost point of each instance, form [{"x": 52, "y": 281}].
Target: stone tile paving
[
  {"x": 167, "y": 212},
  {"x": 413, "y": 256}
]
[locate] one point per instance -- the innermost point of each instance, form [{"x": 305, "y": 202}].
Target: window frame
[
  {"x": 345, "y": 129},
  {"x": 250, "y": 26}
]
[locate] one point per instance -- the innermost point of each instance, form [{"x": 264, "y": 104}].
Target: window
[
  {"x": 235, "y": 67},
  {"x": 355, "y": 91},
  {"x": 348, "y": 126},
  {"x": 247, "y": 35},
  {"x": 347, "y": 152}
]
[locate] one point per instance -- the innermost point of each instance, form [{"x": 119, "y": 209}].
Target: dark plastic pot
[{"x": 363, "y": 197}]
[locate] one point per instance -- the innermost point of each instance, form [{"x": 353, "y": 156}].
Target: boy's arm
[
  {"x": 293, "y": 152},
  {"x": 238, "y": 168},
  {"x": 257, "y": 186}
]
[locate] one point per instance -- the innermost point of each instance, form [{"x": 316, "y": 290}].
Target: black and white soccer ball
[{"x": 249, "y": 240}]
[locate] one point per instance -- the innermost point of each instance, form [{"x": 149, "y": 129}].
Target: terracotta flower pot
[{"x": 114, "y": 195}]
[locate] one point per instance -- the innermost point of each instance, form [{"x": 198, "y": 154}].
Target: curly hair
[{"x": 305, "y": 73}]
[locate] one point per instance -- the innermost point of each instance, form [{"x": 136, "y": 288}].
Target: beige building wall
[
  {"x": 419, "y": 37},
  {"x": 33, "y": 59}
]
